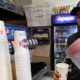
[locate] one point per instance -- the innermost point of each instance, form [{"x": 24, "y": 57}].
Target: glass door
[{"x": 61, "y": 33}]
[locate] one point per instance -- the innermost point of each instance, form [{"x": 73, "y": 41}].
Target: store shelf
[
  {"x": 8, "y": 14},
  {"x": 31, "y": 47},
  {"x": 63, "y": 30},
  {"x": 60, "y": 50},
  {"x": 61, "y": 43},
  {"x": 10, "y": 7},
  {"x": 61, "y": 36}
]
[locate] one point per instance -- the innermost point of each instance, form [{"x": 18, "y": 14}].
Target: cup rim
[{"x": 59, "y": 65}]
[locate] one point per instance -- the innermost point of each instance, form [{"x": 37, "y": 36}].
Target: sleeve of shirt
[{"x": 75, "y": 72}]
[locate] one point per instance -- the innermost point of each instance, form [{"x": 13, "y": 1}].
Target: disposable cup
[
  {"x": 62, "y": 68},
  {"x": 3, "y": 36},
  {"x": 20, "y": 42},
  {"x": 5, "y": 64}
]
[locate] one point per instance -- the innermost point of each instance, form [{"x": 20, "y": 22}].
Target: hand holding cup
[{"x": 61, "y": 71}]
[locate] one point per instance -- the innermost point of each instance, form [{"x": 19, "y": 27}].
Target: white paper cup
[
  {"x": 30, "y": 42},
  {"x": 5, "y": 64},
  {"x": 23, "y": 67},
  {"x": 62, "y": 68},
  {"x": 3, "y": 36},
  {"x": 34, "y": 42},
  {"x": 20, "y": 42}
]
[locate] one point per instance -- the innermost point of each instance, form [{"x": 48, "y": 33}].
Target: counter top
[{"x": 46, "y": 76}]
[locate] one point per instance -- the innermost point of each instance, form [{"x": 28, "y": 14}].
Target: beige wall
[
  {"x": 65, "y": 2},
  {"x": 54, "y": 2},
  {"x": 41, "y": 1},
  {"x": 41, "y": 54},
  {"x": 23, "y": 2},
  {"x": 42, "y": 51}
]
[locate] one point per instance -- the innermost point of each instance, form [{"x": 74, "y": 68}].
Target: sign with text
[
  {"x": 63, "y": 19},
  {"x": 10, "y": 29}
]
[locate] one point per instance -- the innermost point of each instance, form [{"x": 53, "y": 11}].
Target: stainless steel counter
[
  {"x": 44, "y": 74},
  {"x": 47, "y": 76}
]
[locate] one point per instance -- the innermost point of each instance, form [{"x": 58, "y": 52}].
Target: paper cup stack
[
  {"x": 5, "y": 63},
  {"x": 22, "y": 56}
]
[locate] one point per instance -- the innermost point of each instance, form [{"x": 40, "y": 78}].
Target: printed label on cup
[
  {"x": 2, "y": 33},
  {"x": 23, "y": 43}
]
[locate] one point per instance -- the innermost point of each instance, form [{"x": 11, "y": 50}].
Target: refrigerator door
[{"x": 61, "y": 34}]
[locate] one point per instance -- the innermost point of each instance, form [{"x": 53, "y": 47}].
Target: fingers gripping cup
[{"x": 62, "y": 68}]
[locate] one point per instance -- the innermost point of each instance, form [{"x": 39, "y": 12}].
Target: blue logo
[{"x": 23, "y": 43}]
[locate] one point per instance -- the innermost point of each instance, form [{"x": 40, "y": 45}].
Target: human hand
[{"x": 56, "y": 75}]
